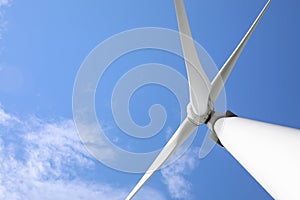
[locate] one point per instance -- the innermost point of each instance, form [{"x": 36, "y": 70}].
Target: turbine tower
[{"x": 270, "y": 153}]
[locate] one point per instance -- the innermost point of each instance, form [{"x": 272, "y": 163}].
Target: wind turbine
[{"x": 270, "y": 153}]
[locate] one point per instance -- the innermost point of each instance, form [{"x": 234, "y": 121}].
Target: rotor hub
[{"x": 200, "y": 119}]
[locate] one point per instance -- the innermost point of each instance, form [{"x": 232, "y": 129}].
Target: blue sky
[{"x": 43, "y": 44}]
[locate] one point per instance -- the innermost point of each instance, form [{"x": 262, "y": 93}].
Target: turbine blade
[
  {"x": 222, "y": 76},
  {"x": 207, "y": 146},
  {"x": 182, "y": 133},
  {"x": 199, "y": 84}
]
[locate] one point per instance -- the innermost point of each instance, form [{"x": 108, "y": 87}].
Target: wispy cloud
[
  {"x": 40, "y": 160},
  {"x": 147, "y": 193},
  {"x": 174, "y": 176},
  {"x": 6, "y": 119},
  {"x": 3, "y": 5}
]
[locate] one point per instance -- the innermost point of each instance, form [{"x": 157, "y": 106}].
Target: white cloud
[
  {"x": 4, "y": 3},
  {"x": 6, "y": 119},
  {"x": 174, "y": 175},
  {"x": 147, "y": 193},
  {"x": 40, "y": 160}
]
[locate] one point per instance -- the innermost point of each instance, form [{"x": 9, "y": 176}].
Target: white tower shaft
[{"x": 270, "y": 153}]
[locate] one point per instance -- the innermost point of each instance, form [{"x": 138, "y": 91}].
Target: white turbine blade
[
  {"x": 199, "y": 84},
  {"x": 207, "y": 146},
  {"x": 182, "y": 133},
  {"x": 270, "y": 153},
  {"x": 222, "y": 76}
]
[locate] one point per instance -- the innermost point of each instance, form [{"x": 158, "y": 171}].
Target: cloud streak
[
  {"x": 174, "y": 175},
  {"x": 40, "y": 160},
  {"x": 3, "y": 4}
]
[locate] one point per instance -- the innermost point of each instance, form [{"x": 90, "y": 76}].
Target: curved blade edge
[
  {"x": 222, "y": 76},
  {"x": 182, "y": 133},
  {"x": 199, "y": 84}
]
